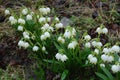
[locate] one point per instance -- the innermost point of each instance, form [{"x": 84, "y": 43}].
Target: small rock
[{"x": 65, "y": 21}]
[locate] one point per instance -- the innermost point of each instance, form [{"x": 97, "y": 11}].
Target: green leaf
[
  {"x": 101, "y": 76},
  {"x": 56, "y": 45},
  {"x": 64, "y": 75},
  {"x": 109, "y": 75},
  {"x": 116, "y": 57},
  {"x": 51, "y": 61}
]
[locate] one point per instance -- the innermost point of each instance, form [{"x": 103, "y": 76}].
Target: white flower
[
  {"x": 60, "y": 39},
  {"x": 48, "y": 10},
  {"x": 35, "y": 48},
  {"x": 87, "y": 37},
  {"x": 102, "y": 65},
  {"x": 51, "y": 28},
  {"x": 104, "y": 57},
  {"x": 115, "y": 68},
  {"x": 87, "y": 45},
  {"x": 26, "y": 45},
  {"x": 11, "y": 18},
  {"x": 23, "y": 44},
  {"x": 94, "y": 43},
  {"x": 115, "y": 48},
  {"x": 67, "y": 34},
  {"x": 21, "y": 21},
  {"x": 47, "y": 34},
  {"x": 59, "y": 25},
  {"x": 45, "y": 27},
  {"x": 42, "y": 19},
  {"x": 14, "y": 21},
  {"x": 99, "y": 44},
  {"x": 43, "y": 10},
  {"x": 43, "y": 48},
  {"x": 99, "y": 30},
  {"x": 29, "y": 17},
  {"x": 20, "y": 43},
  {"x": 7, "y": 12},
  {"x": 63, "y": 58},
  {"x": 110, "y": 59},
  {"x": 96, "y": 51},
  {"x": 20, "y": 28},
  {"x": 48, "y": 19},
  {"x": 106, "y": 50},
  {"x": 42, "y": 37},
  {"x": 72, "y": 45},
  {"x": 26, "y": 35},
  {"x": 58, "y": 56},
  {"x": 25, "y": 11},
  {"x": 104, "y": 30},
  {"x": 93, "y": 60},
  {"x": 90, "y": 56},
  {"x": 56, "y": 19}
]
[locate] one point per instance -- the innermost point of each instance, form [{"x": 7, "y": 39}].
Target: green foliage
[
  {"x": 106, "y": 76},
  {"x": 63, "y": 49},
  {"x": 12, "y": 73},
  {"x": 64, "y": 75}
]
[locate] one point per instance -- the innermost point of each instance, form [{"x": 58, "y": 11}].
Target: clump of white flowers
[
  {"x": 59, "y": 25},
  {"x": 29, "y": 17},
  {"x": 87, "y": 37},
  {"x": 44, "y": 10},
  {"x": 107, "y": 58},
  {"x": 26, "y": 35},
  {"x": 115, "y": 68},
  {"x": 92, "y": 59},
  {"x": 23, "y": 44},
  {"x": 42, "y": 19},
  {"x": 69, "y": 32},
  {"x": 45, "y": 36},
  {"x": 72, "y": 45},
  {"x": 21, "y": 21},
  {"x": 12, "y": 20},
  {"x": 61, "y": 39},
  {"x": 100, "y": 30},
  {"x": 97, "y": 44},
  {"x": 25, "y": 11},
  {"x": 115, "y": 48},
  {"x": 61, "y": 57}
]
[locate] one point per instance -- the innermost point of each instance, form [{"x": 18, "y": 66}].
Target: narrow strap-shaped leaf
[
  {"x": 107, "y": 73},
  {"x": 64, "y": 75},
  {"x": 101, "y": 76}
]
